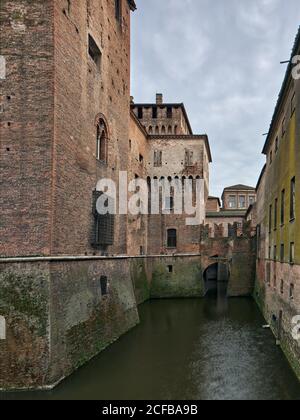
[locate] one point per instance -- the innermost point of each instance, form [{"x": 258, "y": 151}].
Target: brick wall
[
  {"x": 137, "y": 238},
  {"x": 52, "y": 98},
  {"x": 79, "y": 101},
  {"x": 26, "y": 127}
]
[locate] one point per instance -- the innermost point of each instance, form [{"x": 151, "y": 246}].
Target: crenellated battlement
[{"x": 226, "y": 230}]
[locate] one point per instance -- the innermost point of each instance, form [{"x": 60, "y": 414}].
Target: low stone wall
[
  {"x": 84, "y": 321},
  {"x": 242, "y": 268},
  {"x": 25, "y": 336},
  {"x": 58, "y": 313},
  {"x": 57, "y": 317},
  {"x": 176, "y": 277}
]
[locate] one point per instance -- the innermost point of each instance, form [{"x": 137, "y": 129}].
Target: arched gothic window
[{"x": 102, "y": 140}]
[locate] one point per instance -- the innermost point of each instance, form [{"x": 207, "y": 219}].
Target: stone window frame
[
  {"x": 235, "y": 204},
  {"x": 245, "y": 201},
  {"x": 102, "y": 139}
]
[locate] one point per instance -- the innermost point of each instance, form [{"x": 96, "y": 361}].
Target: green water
[{"x": 186, "y": 349}]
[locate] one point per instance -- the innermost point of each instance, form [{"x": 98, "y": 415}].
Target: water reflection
[{"x": 187, "y": 349}]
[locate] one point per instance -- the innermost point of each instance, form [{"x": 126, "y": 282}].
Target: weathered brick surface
[
  {"x": 82, "y": 92},
  {"x": 138, "y": 233},
  {"x": 83, "y": 321},
  {"x": 52, "y": 96},
  {"x": 26, "y": 127},
  {"x": 24, "y": 303}
]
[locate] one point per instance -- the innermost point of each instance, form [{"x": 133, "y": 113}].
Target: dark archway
[{"x": 216, "y": 278}]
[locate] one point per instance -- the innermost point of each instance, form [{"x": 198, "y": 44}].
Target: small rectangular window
[
  {"x": 270, "y": 218},
  {"x": 141, "y": 158},
  {"x": 282, "y": 253},
  {"x": 104, "y": 224},
  {"x": 157, "y": 158},
  {"x": 104, "y": 285},
  {"x": 94, "y": 52},
  {"x": 232, "y": 202},
  {"x": 283, "y": 127},
  {"x": 118, "y": 10},
  {"x": 275, "y": 253},
  {"x": 154, "y": 112},
  {"x": 292, "y": 253},
  {"x": 282, "y": 212},
  {"x": 242, "y": 201},
  {"x": 172, "y": 238},
  {"x": 140, "y": 113},
  {"x": 268, "y": 274},
  {"x": 189, "y": 158},
  {"x": 169, "y": 112},
  {"x": 170, "y": 268},
  {"x": 293, "y": 199},
  {"x": 293, "y": 104},
  {"x": 275, "y": 213},
  {"x": 2, "y": 328}
]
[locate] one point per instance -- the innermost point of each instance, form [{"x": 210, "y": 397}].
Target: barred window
[{"x": 103, "y": 227}]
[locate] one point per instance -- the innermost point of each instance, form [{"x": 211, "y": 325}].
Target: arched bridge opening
[{"x": 216, "y": 278}]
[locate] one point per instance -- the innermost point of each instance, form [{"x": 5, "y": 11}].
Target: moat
[{"x": 186, "y": 349}]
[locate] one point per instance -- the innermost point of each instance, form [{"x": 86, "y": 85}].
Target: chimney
[{"x": 159, "y": 99}]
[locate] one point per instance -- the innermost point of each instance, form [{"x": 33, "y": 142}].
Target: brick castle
[{"x": 70, "y": 280}]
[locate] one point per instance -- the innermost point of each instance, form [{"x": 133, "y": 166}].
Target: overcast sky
[{"x": 221, "y": 58}]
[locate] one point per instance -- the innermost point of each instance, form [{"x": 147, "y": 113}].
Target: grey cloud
[{"x": 222, "y": 59}]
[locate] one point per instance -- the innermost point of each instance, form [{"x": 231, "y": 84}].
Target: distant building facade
[
  {"x": 236, "y": 200},
  {"x": 238, "y": 197},
  {"x": 278, "y": 219}
]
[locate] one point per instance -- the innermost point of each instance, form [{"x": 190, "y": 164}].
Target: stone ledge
[{"x": 91, "y": 258}]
